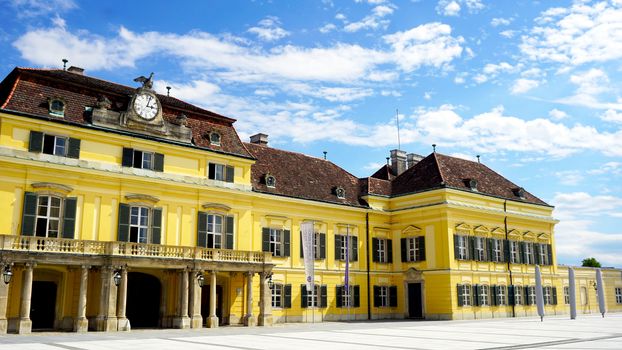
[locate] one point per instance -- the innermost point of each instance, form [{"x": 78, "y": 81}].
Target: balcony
[{"x": 61, "y": 246}]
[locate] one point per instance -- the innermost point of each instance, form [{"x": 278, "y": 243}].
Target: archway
[
  {"x": 143, "y": 300},
  {"x": 43, "y": 305}
]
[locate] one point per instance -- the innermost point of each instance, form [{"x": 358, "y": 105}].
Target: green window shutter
[
  {"x": 377, "y": 301},
  {"x": 536, "y": 249},
  {"x": 322, "y": 246},
  {"x": 550, "y": 254},
  {"x": 476, "y": 292},
  {"x": 488, "y": 244},
  {"x": 389, "y": 250},
  {"x": 338, "y": 294},
  {"x": 526, "y": 294},
  {"x": 323, "y": 296},
  {"x": 29, "y": 213},
  {"x": 229, "y": 171},
  {"x": 285, "y": 242},
  {"x": 355, "y": 249},
  {"x": 522, "y": 252},
  {"x": 459, "y": 290},
  {"x": 554, "y": 294},
  {"x": 338, "y": 247},
  {"x": 506, "y": 250},
  {"x": 202, "y": 229},
  {"x": 158, "y": 162},
  {"x": 211, "y": 171},
  {"x": 393, "y": 296},
  {"x": 511, "y": 300},
  {"x": 472, "y": 254},
  {"x": 287, "y": 296},
  {"x": 229, "y": 225},
  {"x": 303, "y": 296},
  {"x": 374, "y": 245},
  {"x": 357, "y": 296},
  {"x": 124, "y": 223},
  {"x": 128, "y": 157},
  {"x": 302, "y": 252},
  {"x": 495, "y": 295},
  {"x": 404, "y": 249},
  {"x": 421, "y": 246},
  {"x": 69, "y": 217},
  {"x": 156, "y": 226},
  {"x": 35, "y": 143},
  {"x": 73, "y": 148},
  {"x": 265, "y": 239},
  {"x": 456, "y": 248}
]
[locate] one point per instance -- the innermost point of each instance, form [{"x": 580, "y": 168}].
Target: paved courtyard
[{"x": 587, "y": 332}]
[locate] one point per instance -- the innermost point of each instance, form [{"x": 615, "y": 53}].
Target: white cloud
[
  {"x": 340, "y": 17},
  {"x": 446, "y": 8},
  {"x": 508, "y": 33},
  {"x": 34, "y": 8},
  {"x": 268, "y": 29},
  {"x": 583, "y": 33},
  {"x": 327, "y": 28},
  {"x": 333, "y": 94},
  {"x": 556, "y": 114},
  {"x": 495, "y": 22},
  {"x": 491, "y": 71},
  {"x": 569, "y": 177},
  {"x": 611, "y": 115},
  {"x": 390, "y": 93},
  {"x": 590, "y": 84},
  {"x": 373, "y": 166},
  {"x": 265, "y": 92},
  {"x": 372, "y": 21},
  {"x": 609, "y": 168},
  {"x": 427, "y": 95},
  {"x": 523, "y": 85}
]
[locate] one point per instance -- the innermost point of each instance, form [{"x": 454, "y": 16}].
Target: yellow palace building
[{"x": 123, "y": 208}]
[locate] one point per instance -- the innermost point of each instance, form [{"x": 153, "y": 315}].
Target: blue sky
[{"x": 528, "y": 85}]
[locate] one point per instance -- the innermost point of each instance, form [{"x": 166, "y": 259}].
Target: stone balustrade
[{"x": 127, "y": 249}]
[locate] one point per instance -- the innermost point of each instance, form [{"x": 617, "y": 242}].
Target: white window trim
[
  {"x": 276, "y": 241},
  {"x": 384, "y": 296},
  {"x": 138, "y": 225},
  {"x": 483, "y": 297},
  {"x": 518, "y": 295},
  {"x": 47, "y": 217},
  {"x": 462, "y": 247},
  {"x": 277, "y": 292},
  {"x": 217, "y": 235}
]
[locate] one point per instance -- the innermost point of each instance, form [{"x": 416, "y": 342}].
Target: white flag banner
[
  {"x": 539, "y": 294},
  {"x": 307, "y": 250},
  {"x": 601, "y": 292}
]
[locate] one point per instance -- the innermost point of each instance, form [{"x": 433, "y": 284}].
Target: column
[
  {"x": 249, "y": 319},
  {"x": 107, "y": 314},
  {"x": 123, "y": 324},
  {"x": 212, "y": 321},
  {"x": 182, "y": 320},
  {"x": 164, "y": 319},
  {"x": 4, "y": 298},
  {"x": 265, "y": 303},
  {"x": 81, "y": 323},
  {"x": 24, "y": 326},
  {"x": 196, "y": 321}
]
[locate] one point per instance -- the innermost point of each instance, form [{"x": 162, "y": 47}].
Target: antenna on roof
[
  {"x": 434, "y": 147},
  {"x": 65, "y": 63},
  {"x": 168, "y": 91},
  {"x": 397, "y": 121},
  {"x": 477, "y": 158},
  {"x": 324, "y": 154}
]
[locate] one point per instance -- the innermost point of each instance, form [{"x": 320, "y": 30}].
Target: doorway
[
  {"x": 43, "y": 305},
  {"x": 143, "y": 300},
  {"x": 205, "y": 307},
  {"x": 415, "y": 300}
]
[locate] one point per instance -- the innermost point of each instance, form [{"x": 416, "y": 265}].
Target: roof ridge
[{"x": 438, "y": 167}]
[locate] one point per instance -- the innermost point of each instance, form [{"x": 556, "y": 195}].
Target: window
[
  {"x": 281, "y": 295},
  {"x": 566, "y": 295},
  {"x": 546, "y": 293},
  {"x": 480, "y": 248},
  {"x": 413, "y": 249},
  {"x": 528, "y": 257},
  {"x": 348, "y": 297},
  {"x": 214, "y": 139},
  {"x": 464, "y": 295},
  {"x": 385, "y": 296},
  {"x": 61, "y": 146},
  {"x": 48, "y": 216},
  {"x": 501, "y": 295},
  {"x": 276, "y": 241},
  {"x": 543, "y": 252},
  {"x": 215, "y": 231},
  {"x": 618, "y": 295},
  {"x": 220, "y": 172},
  {"x": 531, "y": 295},
  {"x": 383, "y": 250},
  {"x": 461, "y": 247},
  {"x": 139, "y": 224},
  {"x": 496, "y": 250},
  {"x": 319, "y": 246},
  {"x": 484, "y": 295},
  {"x": 142, "y": 159},
  {"x": 315, "y": 297},
  {"x": 518, "y": 295},
  {"x": 270, "y": 181},
  {"x": 342, "y": 246},
  {"x": 340, "y": 193},
  {"x": 514, "y": 252},
  {"x": 56, "y": 107}
]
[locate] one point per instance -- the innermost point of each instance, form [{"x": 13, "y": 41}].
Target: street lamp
[
  {"x": 270, "y": 283},
  {"x": 7, "y": 274},
  {"x": 200, "y": 279},
  {"x": 117, "y": 277}
]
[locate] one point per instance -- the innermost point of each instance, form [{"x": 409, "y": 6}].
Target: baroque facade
[{"x": 124, "y": 208}]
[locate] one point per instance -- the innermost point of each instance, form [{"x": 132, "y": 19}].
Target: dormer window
[
  {"x": 471, "y": 184},
  {"x": 340, "y": 192},
  {"x": 519, "y": 192},
  {"x": 214, "y": 139},
  {"x": 56, "y": 107},
  {"x": 270, "y": 181}
]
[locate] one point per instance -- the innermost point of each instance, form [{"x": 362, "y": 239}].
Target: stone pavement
[{"x": 587, "y": 332}]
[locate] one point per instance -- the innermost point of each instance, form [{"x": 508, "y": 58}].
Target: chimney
[
  {"x": 260, "y": 139},
  {"x": 76, "y": 70},
  {"x": 412, "y": 159},
  {"x": 398, "y": 161}
]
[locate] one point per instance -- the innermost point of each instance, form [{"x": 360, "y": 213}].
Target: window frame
[
  {"x": 566, "y": 295},
  {"x": 518, "y": 295},
  {"x": 277, "y": 293},
  {"x": 463, "y": 247},
  {"x": 501, "y": 295},
  {"x": 57, "y": 112},
  {"x": 214, "y": 234},
  {"x": 384, "y": 296},
  {"x": 347, "y": 296},
  {"x": 497, "y": 250},
  {"x": 143, "y": 212},
  {"x": 480, "y": 251},
  {"x": 464, "y": 293},
  {"x": 54, "y": 139},
  {"x": 483, "y": 296},
  {"x": 618, "y": 293},
  {"x": 547, "y": 295},
  {"x": 532, "y": 295},
  {"x": 529, "y": 254},
  {"x": 514, "y": 252},
  {"x": 382, "y": 251},
  {"x": 276, "y": 236},
  {"x": 47, "y": 216},
  {"x": 313, "y": 297},
  {"x": 544, "y": 255},
  {"x": 350, "y": 246}
]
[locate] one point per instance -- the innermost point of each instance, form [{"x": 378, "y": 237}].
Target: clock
[{"x": 146, "y": 106}]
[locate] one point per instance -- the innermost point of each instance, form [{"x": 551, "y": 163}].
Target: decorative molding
[
  {"x": 529, "y": 234},
  {"x": 137, "y": 197},
  {"x": 482, "y": 229},
  {"x": 411, "y": 229},
  {"x": 216, "y": 206},
  {"x": 514, "y": 233},
  {"x": 51, "y": 186},
  {"x": 544, "y": 236},
  {"x": 464, "y": 228}
]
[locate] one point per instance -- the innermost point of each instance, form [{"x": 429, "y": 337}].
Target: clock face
[{"x": 146, "y": 106}]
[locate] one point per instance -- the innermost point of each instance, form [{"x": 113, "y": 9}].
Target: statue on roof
[{"x": 147, "y": 82}]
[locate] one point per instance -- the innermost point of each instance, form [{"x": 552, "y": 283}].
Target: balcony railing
[{"x": 83, "y": 247}]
